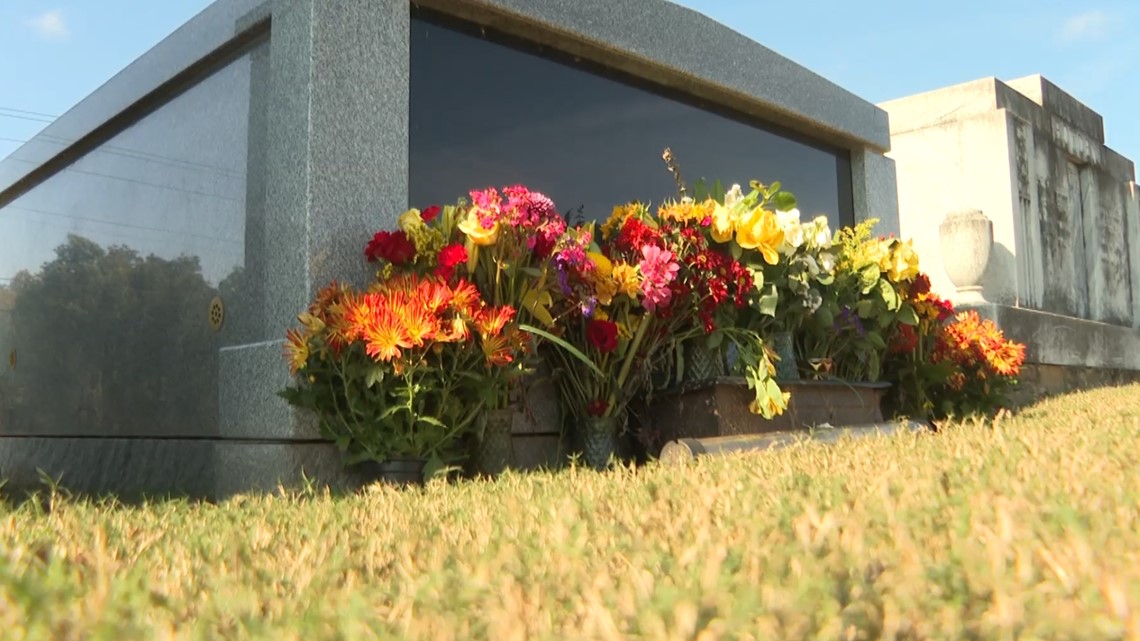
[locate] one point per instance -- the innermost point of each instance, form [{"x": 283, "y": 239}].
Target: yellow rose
[
  {"x": 472, "y": 226},
  {"x": 723, "y": 224},
  {"x": 602, "y": 265},
  {"x": 761, "y": 231}
]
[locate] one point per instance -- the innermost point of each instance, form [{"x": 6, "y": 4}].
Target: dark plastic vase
[
  {"x": 702, "y": 363},
  {"x": 785, "y": 346},
  {"x": 599, "y": 440},
  {"x": 495, "y": 451},
  {"x": 401, "y": 472}
]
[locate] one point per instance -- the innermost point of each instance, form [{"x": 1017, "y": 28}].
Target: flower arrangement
[
  {"x": 499, "y": 241},
  {"x": 393, "y": 372},
  {"x": 950, "y": 364},
  {"x": 846, "y": 338}
]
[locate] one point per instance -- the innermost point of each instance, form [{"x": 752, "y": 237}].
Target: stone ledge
[
  {"x": 1053, "y": 339},
  {"x": 132, "y": 469}
]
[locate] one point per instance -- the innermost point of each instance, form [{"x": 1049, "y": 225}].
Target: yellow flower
[
  {"x": 617, "y": 219},
  {"x": 602, "y": 265},
  {"x": 770, "y": 407},
  {"x": 723, "y": 224},
  {"x": 605, "y": 289},
  {"x": 297, "y": 350},
  {"x": 410, "y": 221},
  {"x": 472, "y": 226},
  {"x": 900, "y": 264},
  {"x": 760, "y": 230},
  {"x": 627, "y": 279}
]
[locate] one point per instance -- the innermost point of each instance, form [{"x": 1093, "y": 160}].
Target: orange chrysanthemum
[
  {"x": 385, "y": 336},
  {"x": 297, "y": 350}
]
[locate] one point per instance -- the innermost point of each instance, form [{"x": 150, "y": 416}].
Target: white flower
[
  {"x": 815, "y": 300},
  {"x": 788, "y": 219},
  {"x": 822, "y": 236},
  {"x": 827, "y": 262},
  {"x": 733, "y": 197}
]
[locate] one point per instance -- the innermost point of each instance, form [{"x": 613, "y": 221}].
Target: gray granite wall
[{"x": 326, "y": 164}]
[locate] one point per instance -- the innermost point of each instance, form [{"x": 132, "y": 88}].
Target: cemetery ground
[{"x": 1026, "y": 527}]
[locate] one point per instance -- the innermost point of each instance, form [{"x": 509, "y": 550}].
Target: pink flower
[{"x": 658, "y": 270}]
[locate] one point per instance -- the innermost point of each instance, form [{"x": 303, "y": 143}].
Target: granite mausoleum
[
  {"x": 160, "y": 237},
  {"x": 1043, "y": 234}
]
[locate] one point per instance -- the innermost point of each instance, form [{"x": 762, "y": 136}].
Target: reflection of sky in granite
[
  {"x": 483, "y": 115},
  {"x": 173, "y": 184}
]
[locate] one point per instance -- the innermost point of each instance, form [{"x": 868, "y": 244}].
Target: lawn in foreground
[{"x": 1030, "y": 528}]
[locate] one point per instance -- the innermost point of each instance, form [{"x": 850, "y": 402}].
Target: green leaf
[
  {"x": 865, "y": 308},
  {"x": 717, "y": 193},
  {"x": 700, "y": 190},
  {"x": 375, "y": 376},
  {"x": 735, "y": 249},
  {"x": 431, "y": 420},
  {"x": 875, "y": 339},
  {"x": 715, "y": 340},
  {"x": 824, "y": 317},
  {"x": 890, "y": 295},
  {"x": 757, "y": 278},
  {"x": 573, "y": 351},
  {"x": 869, "y": 277},
  {"x": 768, "y": 302},
  {"x": 783, "y": 201},
  {"x": 907, "y": 315}
]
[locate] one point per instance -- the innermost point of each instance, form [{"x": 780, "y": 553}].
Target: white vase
[{"x": 967, "y": 240}]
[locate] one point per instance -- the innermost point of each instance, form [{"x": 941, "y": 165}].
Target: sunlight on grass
[{"x": 1028, "y": 527}]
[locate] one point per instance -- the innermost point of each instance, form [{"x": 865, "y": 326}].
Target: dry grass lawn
[{"x": 1028, "y": 528}]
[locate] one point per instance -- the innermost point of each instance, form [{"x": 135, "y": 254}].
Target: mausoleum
[
  {"x": 159, "y": 238},
  {"x": 1043, "y": 233}
]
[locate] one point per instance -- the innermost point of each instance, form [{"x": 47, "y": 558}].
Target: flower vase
[
  {"x": 785, "y": 346},
  {"x": 599, "y": 440},
  {"x": 495, "y": 451},
  {"x": 702, "y": 363},
  {"x": 400, "y": 472}
]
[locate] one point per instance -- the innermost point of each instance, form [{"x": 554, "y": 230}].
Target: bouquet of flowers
[
  {"x": 500, "y": 242},
  {"x": 862, "y": 304},
  {"x": 391, "y": 372}
]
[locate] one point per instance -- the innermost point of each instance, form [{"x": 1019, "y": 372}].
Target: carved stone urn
[{"x": 967, "y": 240}]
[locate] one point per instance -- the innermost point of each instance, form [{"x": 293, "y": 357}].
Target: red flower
[
  {"x": 449, "y": 257},
  {"x": 597, "y": 408},
  {"x": 392, "y": 246},
  {"x": 905, "y": 340},
  {"x": 430, "y": 213},
  {"x": 603, "y": 334},
  {"x": 921, "y": 285}
]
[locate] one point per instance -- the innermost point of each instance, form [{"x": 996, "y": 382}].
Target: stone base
[
  {"x": 1052, "y": 339},
  {"x": 136, "y": 468},
  {"x": 1065, "y": 354},
  {"x": 1039, "y": 381}
]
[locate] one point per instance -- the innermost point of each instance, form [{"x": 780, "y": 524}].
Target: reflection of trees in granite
[{"x": 112, "y": 342}]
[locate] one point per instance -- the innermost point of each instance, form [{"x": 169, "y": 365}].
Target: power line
[
  {"x": 31, "y": 118},
  {"x": 30, "y": 113},
  {"x": 125, "y": 152},
  {"x": 126, "y": 225}
]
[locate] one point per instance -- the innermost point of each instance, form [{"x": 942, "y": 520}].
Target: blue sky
[{"x": 55, "y": 52}]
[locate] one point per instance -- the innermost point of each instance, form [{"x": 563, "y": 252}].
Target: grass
[{"x": 1028, "y": 528}]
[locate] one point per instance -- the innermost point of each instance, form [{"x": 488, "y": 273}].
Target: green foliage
[{"x": 1024, "y": 528}]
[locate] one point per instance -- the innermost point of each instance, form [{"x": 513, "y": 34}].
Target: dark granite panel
[
  {"x": 110, "y": 266},
  {"x": 208, "y": 31},
  {"x": 487, "y": 114},
  {"x": 132, "y": 469}
]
